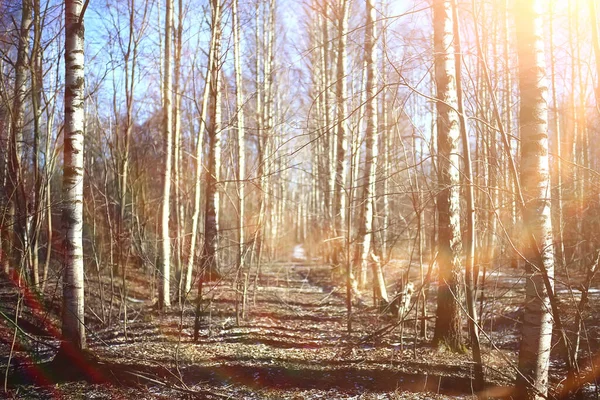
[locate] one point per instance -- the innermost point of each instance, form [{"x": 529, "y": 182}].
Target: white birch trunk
[
  {"x": 73, "y": 332},
  {"x": 164, "y": 296},
  {"x": 325, "y": 89},
  {"x": 341, "y": 165},
  {"x": 15, "y": 185},
  {"x": 269, "y": 117},
  {"x": 371, "y": 139},
  {"x": 199, "y": 169},
  {"x": 448, "y": 328},
  {"x": 259, "y": 121},
  {"x": 178, "y": 150},
  {"x": 239, "y": 103},
  {"x": 36, "y": 105},
  {"x": 536, "y": 331},
  {"x": 386, "y": 148}
]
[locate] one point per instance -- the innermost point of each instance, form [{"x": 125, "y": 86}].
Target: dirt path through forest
[{"x": 292, "y": 345}]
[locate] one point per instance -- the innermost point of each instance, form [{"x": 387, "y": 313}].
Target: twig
[
  {"x": 12, "y": 346},
  {"x": 179, "y": 389}
]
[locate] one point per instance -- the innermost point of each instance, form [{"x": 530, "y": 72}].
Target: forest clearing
[{"x": 248, "y": 199}]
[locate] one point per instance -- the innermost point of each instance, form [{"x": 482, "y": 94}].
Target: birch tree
[
  {"x": 73, "y": 331},
  {"x": 241, "y": 162},
  {"x": 15, "y": 175},
  {"x": 209, "y": 262},
  {"x": 199, "y": 151},
  {"x": 536, "y": 330},
  {"x": 178, "y": 149},
  {"x": 371, "y": 155},
  {"x": 36, "y": 105},
  {"x": 448, "y": 327},
  {"x": 164, "y": 296},
  {"x": 339, "y": 195}
]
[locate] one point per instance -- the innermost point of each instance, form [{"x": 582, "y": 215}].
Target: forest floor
[{"x": 293, "y": 343}]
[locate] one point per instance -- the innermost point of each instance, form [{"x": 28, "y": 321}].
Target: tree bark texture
[
  {"x": 534, "y": 354},
  {"x": 209, "y": 265},
  {"x": 239, "y": 103},
  {"x": 164, "y": 296},
  {"x": 371, "y": 148},
  {"x": 73, "y": 331},
  {"x": 448, "y": 327},
  {"x": 15, "y": 177}
]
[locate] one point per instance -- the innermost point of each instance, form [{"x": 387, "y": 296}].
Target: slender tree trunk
[
  {"x": 328, "y": 165},
  {"x": 482, "y": 169},
  {"x": 15, "y": 177},
  {"x": 496, "y": 196},
  {"x": 178, "y": 151},
  {"x": 5, "y": 217},
  {"x": 49, "y": 163},
  {"x": 596, "y": 43},
  {"x": 211, "y": 222},
  {"x": 270, "y": 136},
  {"x": 586, "y": 254},
  {"x": 579, "y": 132},
  {"x": 386, "y": 149},
  {"x": 355, "y": 159},
  {"x": 560, "y": 257},
  {"x": 434, "y": 236},
  {"x": 73, "y": 331},
  {"x": 260, "y": 133},
  {"x": 122, "y": 157},
  {"x": 199, "y": 151},
  {"x": 318, "y": 95},
  {"x": 164, "y": 295},
  {"x": 241, "y": 140},
  {"x": 36, "y": 103},
  {"x": 469, "y": 242},
  {"x": 209, "y": 264},
  {"x": 448, "y": 327},
  {"x": 573, "y": 144},
  {"x": 422, "y": 295},
  {"x": 341, "y": 168},
  {"x": 536, "y": 331},
  {"x": 371, "y": 155},
  {"x": 510, "y": 197}
]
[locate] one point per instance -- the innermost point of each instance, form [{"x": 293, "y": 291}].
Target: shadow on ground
[{"x": 253, "y": 377}]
